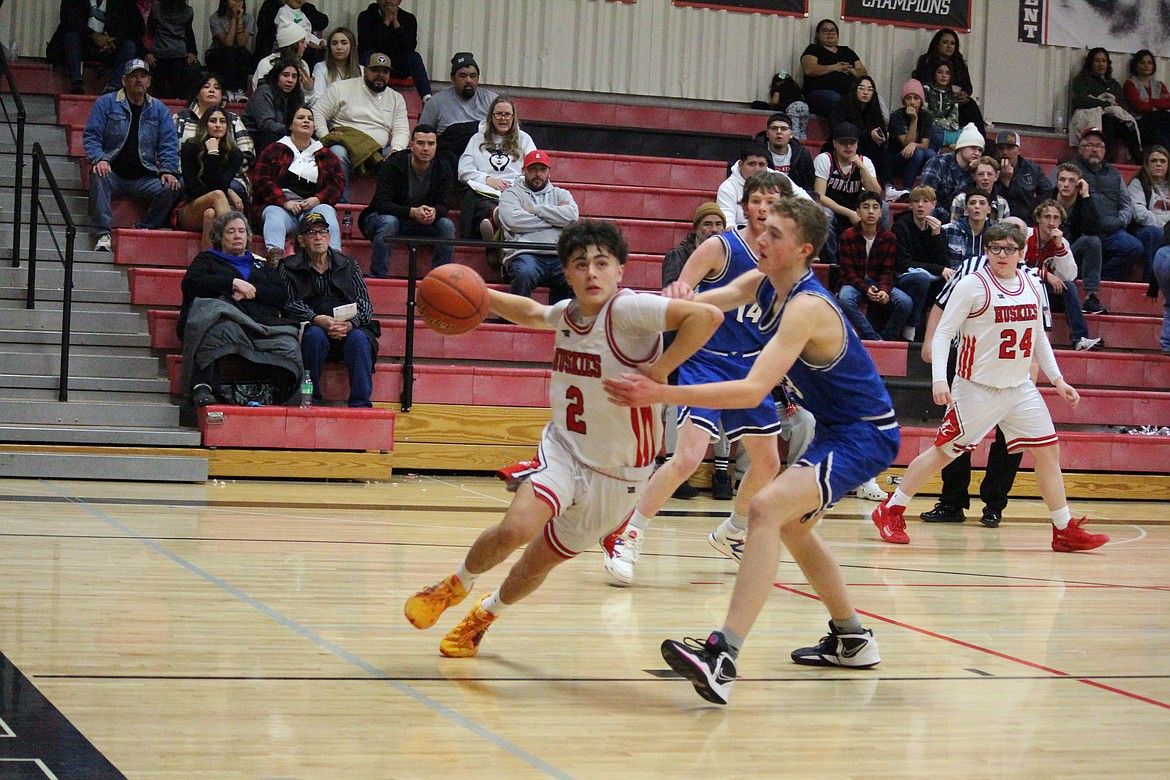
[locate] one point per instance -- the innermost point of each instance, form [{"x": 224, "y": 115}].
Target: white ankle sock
[
  {"x": 466, "y": 577},
  {"x": 492, "y": 603},
  {"x": 639, "y": 520},
  {"x": 1061, "y": 517},
  {"x": 738, "y": 522},
  {"x": 898, "y": 498}
]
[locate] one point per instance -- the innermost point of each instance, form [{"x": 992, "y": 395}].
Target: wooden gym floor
[{"x": 255, "y": 630}]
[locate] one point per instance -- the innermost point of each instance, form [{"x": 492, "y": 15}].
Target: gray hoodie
[{"x": 535, "y": 217}]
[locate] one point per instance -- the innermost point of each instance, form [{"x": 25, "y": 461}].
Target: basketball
[{"x": 452, "y": 299}]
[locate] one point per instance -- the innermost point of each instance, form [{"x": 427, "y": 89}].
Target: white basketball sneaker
[
  {"x": 621, "y": 554},
  {"x": 728, "y": 540}
]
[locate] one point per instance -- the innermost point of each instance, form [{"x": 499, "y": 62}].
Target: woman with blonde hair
[
  {"x": 490, "y": 164},
  {"x": 340, "y": 63}
]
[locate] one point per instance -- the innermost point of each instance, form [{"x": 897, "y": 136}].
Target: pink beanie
[{"x": 913, "y": 87}]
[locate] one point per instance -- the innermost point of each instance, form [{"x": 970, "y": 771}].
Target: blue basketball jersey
[
  {"x": 846, "y": 390},
  {"x": 740, "y": 332}
]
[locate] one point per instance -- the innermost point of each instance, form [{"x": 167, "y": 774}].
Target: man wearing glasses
[
  {"x": 326, "y": 291},
  {"x": 997, "y": 314},
  {"x": 1120, "y": 251}
]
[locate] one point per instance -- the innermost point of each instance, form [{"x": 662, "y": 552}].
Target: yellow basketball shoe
[
  {"x": 463, "y": 640},
  {"x": 424, "y": 608}
]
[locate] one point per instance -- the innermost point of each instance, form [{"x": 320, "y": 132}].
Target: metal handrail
[
  {"x": 40, "y": 163},
  {"x": 18, "y": 137},
  {"x": 412, "y": 243}
]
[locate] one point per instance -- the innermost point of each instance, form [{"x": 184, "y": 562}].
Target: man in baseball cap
[
  {"x": 458, "y": 112},
  {"x": 535, "y": 211},
  {"x": 1021, "y": 182}
]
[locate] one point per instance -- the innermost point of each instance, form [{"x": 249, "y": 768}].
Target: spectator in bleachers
[
  {"x": 842, "y": 175},
  {"x": 948, "y": 173},
  {"x": 273, "y": 104},
  {"x": 708, "y": 222},
  {"x": 752, "y": 158},
  {"x": 1149, "y": 98},
  {"x": 489, "y": 165},
  {"x": 1098, "y": 101},
  {"x": 210, "y": 163},
  {"x": 943, "y": 104},
  {"x": 909, "y": 135},
  {"x": 1021, "y": 182},
  {"x": 294, "y": 177},
  {"x": 535, "y": 211},
  {"x": 786, "y": 155},
  {"x": 232, "y": 300},
  {"x": 320, "y": 278},
  {"x": 861, "y": 109},
  {"x": 965, "y": 235},
  {"x": 291, "y": 42},
  {"x": 1048, "y": 252},
  {"x": 829, "y": 69},
  {"x": 340, "y": 63},
  {"x": 1162, "y": 277},
  {"x": 230, "y": 52},
  {"x": 1120, "y": 251},
  {"x": 922, "y": 262},
  {"x": 985, "y": 178},
  {"x": 414, "y": 188},
  {"x": 459, "y": 111},
  {"x": 266, "y": 29},
  {"x": 81, "y": 36},
  {"x": 362, "y": 120},
  {"x": 1081, "y": 227},
  {"x": 867, "y": 258},
  {"x": 126, "y": 23},
  {"x": 306, "y": 16},
  {"x": 209, "y": 94},
  {"x": 385, "y": 27},
  {"x": 172, "y": 53},
  {"x": 131, "y": 143},
  {"x": 1149, "y": 191},
  {"x": 944, "y": 47}
]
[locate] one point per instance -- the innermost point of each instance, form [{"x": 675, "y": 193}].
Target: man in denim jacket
[{"x": 131, "y": 143}]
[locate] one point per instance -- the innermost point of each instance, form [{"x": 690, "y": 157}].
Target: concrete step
[
  {"x": 76, "y": 339},
  {"x": 33, "y": 360},
  {"x": 65, "y": 168},
  {"x": 89, "y": 413},
  {"x": 104, "y": 277},
  {"x": 37, "y": 108},
  {"x": 116, "y": 318},
  {"x": 77, "y": 201},
  {"x": 99, "y": 435},
  {"x": 87, "y": 388},
  {"x": 138, "y": 468},
  {"x": 50, "y": 135}
]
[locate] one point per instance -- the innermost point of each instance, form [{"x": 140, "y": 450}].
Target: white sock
[
  {"x": 738, "y": 522},
  {"x": 466, "y": 577},
  {"x": 492, "y": 604},
  {"x": 1061, "y": 517},
  {"x": 898, "y": 498},
  {"x": 639, "y": 520}
]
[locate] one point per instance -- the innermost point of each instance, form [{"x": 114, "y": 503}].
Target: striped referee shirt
[{"x": 973, "y": 264}]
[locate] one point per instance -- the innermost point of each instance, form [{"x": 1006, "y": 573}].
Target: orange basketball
[{"x": 452, "y": 299}]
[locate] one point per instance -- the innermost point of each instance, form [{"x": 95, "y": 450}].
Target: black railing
[
  {"x": 41, "y": 165},
  {"x": 412, "y": 244},
  {"x": 18, "y": 138}
]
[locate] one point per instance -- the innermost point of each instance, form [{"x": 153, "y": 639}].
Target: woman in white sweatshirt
[{"x": 490, "y": 164}]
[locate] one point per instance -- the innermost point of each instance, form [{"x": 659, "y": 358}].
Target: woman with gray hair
[{"x": 232, "y": 300}]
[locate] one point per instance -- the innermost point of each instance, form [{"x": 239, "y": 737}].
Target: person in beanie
[
  {"x": 947, "y": 174},
  {"x": 909, "y": 134},
  {"x": 459, "y": 111}
]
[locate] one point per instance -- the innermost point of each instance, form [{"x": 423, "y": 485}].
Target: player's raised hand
[
  {"x": 632, "y": 390},
  {"x": 942, "y": 393}
]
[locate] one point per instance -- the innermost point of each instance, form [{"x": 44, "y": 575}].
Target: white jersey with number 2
[
  {"x": 1000, "y": 328},
  {"x": 626, "y": 332}
]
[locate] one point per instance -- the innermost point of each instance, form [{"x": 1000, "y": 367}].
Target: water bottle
[
  {"x": 14, "y": 50},
  {"x": 1058, "y": 124},
  {"x": 306, "y": 391}
]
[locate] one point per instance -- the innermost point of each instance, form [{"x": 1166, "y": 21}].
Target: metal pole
[
  {"x": 66, "y": 315},
  {"x": 408, "y": 362},
  {"x": 18, "y": 196},
  {"x": 30, "y": 295}
]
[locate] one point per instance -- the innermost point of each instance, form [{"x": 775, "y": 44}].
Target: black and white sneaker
[
  {"x": 708, "y": 665},
  {"x": 854, "y": 651}
]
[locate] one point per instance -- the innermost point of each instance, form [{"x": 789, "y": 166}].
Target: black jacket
[
  {"x": 347, "y": 286},
  {"x": 392, "y": 195},
  {"x": 918, "y": 248},
  {"x": 210, "y": 276},
  {"x": 374, "y": 37}
]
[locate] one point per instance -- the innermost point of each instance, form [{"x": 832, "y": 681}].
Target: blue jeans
[
  {"x": 1077, "y": 329},
  {"x": 822, "y": 101},
  {"x": 1162, "y": 274},
  {"x": 1151, "y": 238},
  {"x": 383, "y": 227},
  {"x": 1120, "y": 252},
  {"x": 127, "y": 51},
  {"x": 910, "y": 169},
  {"x": 528, "y": 271},
  {"x": 347, "y": 166},
  {"x": 278, "y": 224},
  {"x": 103, "y": 189},
  {"x": 916, "y": 284},
  {"x": 899, "y": 310},
  {"x": 1086, "y": 252},
  {"x": 411, "y": 64},
  {"x": 354, "y": 350}
]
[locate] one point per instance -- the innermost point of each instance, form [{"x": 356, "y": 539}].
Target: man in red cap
[{"x": 535, "y": 211}]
